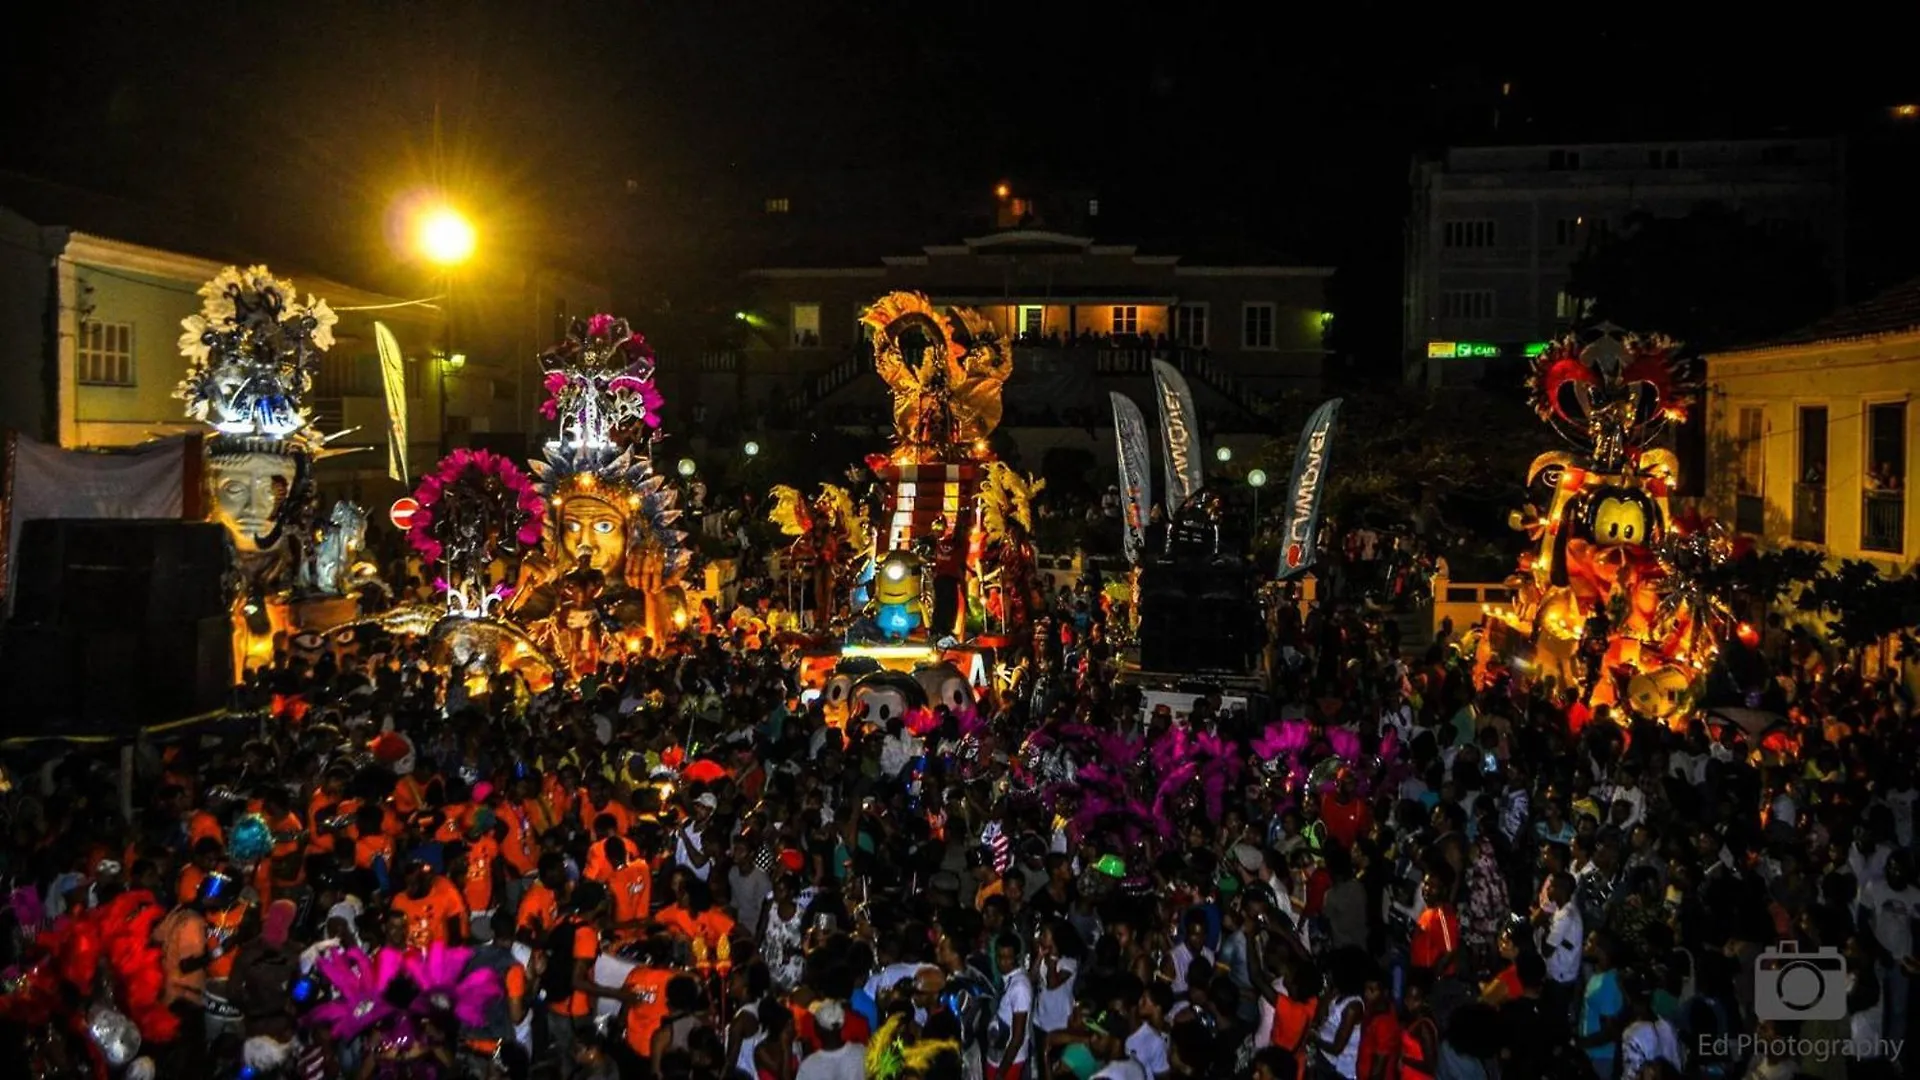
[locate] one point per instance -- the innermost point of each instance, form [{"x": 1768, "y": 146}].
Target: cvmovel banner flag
[
  {"x": 1179, "y": 435},
  {"x": 1305, "y": 489},
  {"x": 1136, "y": 485}
]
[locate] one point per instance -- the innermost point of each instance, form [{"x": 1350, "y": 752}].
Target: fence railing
[{"x": 1883, "y": 521}]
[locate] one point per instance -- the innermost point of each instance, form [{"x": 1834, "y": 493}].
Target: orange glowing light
[{"x": 1003, "y": 191}]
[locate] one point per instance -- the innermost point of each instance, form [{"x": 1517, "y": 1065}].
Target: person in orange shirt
[
  {"x": 606, "y": 837},
  {"x": 630, "y": 880},
  {"x": 329, "y": 800},
  {"x": 206, "y": 858},
  {"x": 495, "y": 1031},
  {"x": 598, "y": 801},
  {"x": 373, "y": 848},
  {"x": 520, "y": 847},
  {"x": 434, "y": 909},
  {"x": 540, "y": 908},
  {"x": 648, "y": 985},
  {"x": 706, "y": 929},
  {"x": 476, "y": 864},
  {"x": 557, "y": 792},
  {"x": 568, "y": 983},
  {"x": 410, "y": 793}
]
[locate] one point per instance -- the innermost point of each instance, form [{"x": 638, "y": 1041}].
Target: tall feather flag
[
  {"x": 1136, "y": 484},
  {"x": 393, "y": 377},
  {"x": 1179, "y": 435},
  {"x": 1306, "y": 488}
]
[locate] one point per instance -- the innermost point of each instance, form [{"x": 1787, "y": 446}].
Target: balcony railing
[
  {"x": 1810, "y": 513},
  {"x": 1750, "y": 514},
  {"x": 1882, "y": 521}
]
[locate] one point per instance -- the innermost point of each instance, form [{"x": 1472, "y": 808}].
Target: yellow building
[{"x": 1812, "y": 438}]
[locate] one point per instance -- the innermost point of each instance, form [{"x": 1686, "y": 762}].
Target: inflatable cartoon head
[
  {"x": 1611, "y": 517},
  {"x": 943, "y": 684},
  {"x": 885, "y": 696},
  {"x": 836, "y": 697}
]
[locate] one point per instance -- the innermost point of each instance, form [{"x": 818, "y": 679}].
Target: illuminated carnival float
[
  {"x": 1612, "y": 599},
  {"x": 939, "y": 577},
  {"x": 253, "y": 351}
]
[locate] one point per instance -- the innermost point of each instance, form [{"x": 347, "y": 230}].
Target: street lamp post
[
  {"x": 445, "y": 238},
  {"x": 1256, "y": 479}
]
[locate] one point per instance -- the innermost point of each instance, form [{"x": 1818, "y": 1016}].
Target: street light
[
  {"x": 1223, "y": 454},
  {"x": 1256, "y": 479},
  {"x": 686, "y": 467},
  {"x": 752, "y": 449},
  {"x": 442, "y": 236}
]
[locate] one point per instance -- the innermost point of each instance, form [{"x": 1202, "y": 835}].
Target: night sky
[{"x": 640, "y": 139}]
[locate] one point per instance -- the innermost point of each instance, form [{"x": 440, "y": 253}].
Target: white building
[{"x": 1494, "y": 231}]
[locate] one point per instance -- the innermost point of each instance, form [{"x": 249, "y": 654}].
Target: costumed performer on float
[
  {"x": 832, "y": 544},
  {"x": 607, "y": 576},
  {"x": 252, "y": 353},
  {"x": 1611, "y": 600}
]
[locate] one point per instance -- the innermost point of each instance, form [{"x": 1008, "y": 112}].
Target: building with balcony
[
  {"x": 91, "y": 324},
  {"x": 1813, "y": 437},
  {"x": 1493, "y": 232},
  {"x": 1085, "y": 316}
]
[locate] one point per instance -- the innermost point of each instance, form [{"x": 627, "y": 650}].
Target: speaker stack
[
  {"x": 1199, "y": 617},
  {"x": 116, "y": 625}
]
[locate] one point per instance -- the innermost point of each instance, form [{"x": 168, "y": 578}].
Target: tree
[
  {"x": 1865, "y": 609},
  {"x": 1458, "y": 456},
  {"x": 1712, "y": 278}
]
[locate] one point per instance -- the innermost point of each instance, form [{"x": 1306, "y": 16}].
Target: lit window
[
  {"x": 806, "y": 326},
  {"x": 777, "y": 206},
  {"x": 1256, "y": 326},
  {"x": 1190, "y": 325},
  {"x": 1568, "y": 306},
  {"x": 1033, "y": 320},
  {"x": 1474, "y": 305},
  {"x": 1126, "y": 320},
  {"x": 106, "y": 353},
  {"x": 1468, "y": 234},
  {"x": 1093, "y": 207}
]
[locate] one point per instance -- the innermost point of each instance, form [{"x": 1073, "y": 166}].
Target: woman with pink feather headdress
[{"x": 408, "y": 1005}]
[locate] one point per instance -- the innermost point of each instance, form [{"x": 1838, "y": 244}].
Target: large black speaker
[
  {"x": 1198, "y": 617},
  {"x": 115, "y": 573},
  {"x": 64, "y": 681}
]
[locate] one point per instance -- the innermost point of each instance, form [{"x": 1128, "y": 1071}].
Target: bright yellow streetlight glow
[
  {"x": 1003, "y": 190},
  {"x": 444, "y": 236}
]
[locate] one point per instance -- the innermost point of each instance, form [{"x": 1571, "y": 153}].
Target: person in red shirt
[
  {"x": 1435, "y": 947},
  {"x": 1379, "y": 1033},
  {"x": 1346, "y": 814}
]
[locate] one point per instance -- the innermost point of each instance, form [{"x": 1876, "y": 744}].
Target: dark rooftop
[{"x": 1895, "y": 311}]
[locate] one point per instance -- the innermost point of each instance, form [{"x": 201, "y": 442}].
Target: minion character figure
[{"x": 897, "y": 595}]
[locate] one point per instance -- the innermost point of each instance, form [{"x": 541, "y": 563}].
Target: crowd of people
[{"x": 686, "y": 867}]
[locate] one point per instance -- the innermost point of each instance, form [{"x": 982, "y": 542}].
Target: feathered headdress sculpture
[
  {"x": 600, "y": 387},
  {"x": 476, "y": 504},
  {"x": 1006, "y": 498},
  {"x": 890, "y": 1053},
  {"x": 252, "y": 352},
  {"x": 398, "y": 993},
  {"x": 1612, "y": 393}
]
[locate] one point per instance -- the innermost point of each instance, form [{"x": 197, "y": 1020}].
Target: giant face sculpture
[
  {"x": 593, "y": 528},
  {"x": 248, "y": 493}
]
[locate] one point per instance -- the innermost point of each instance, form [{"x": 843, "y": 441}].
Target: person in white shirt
[
  {"x": 1191, "y": 949},
  {"x": 1892, "y": 903},
  {"x": 1053, "y": 979},
  {"x": 1647, "y": 1038},
  {"x": 1562, "y": 935},
  {"x": 690, "y": 845},
  {"x": 1148, "y": 1043},
  {"x": 1011, "y": 1039},
  {"x": 836, "y": 1059}
]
